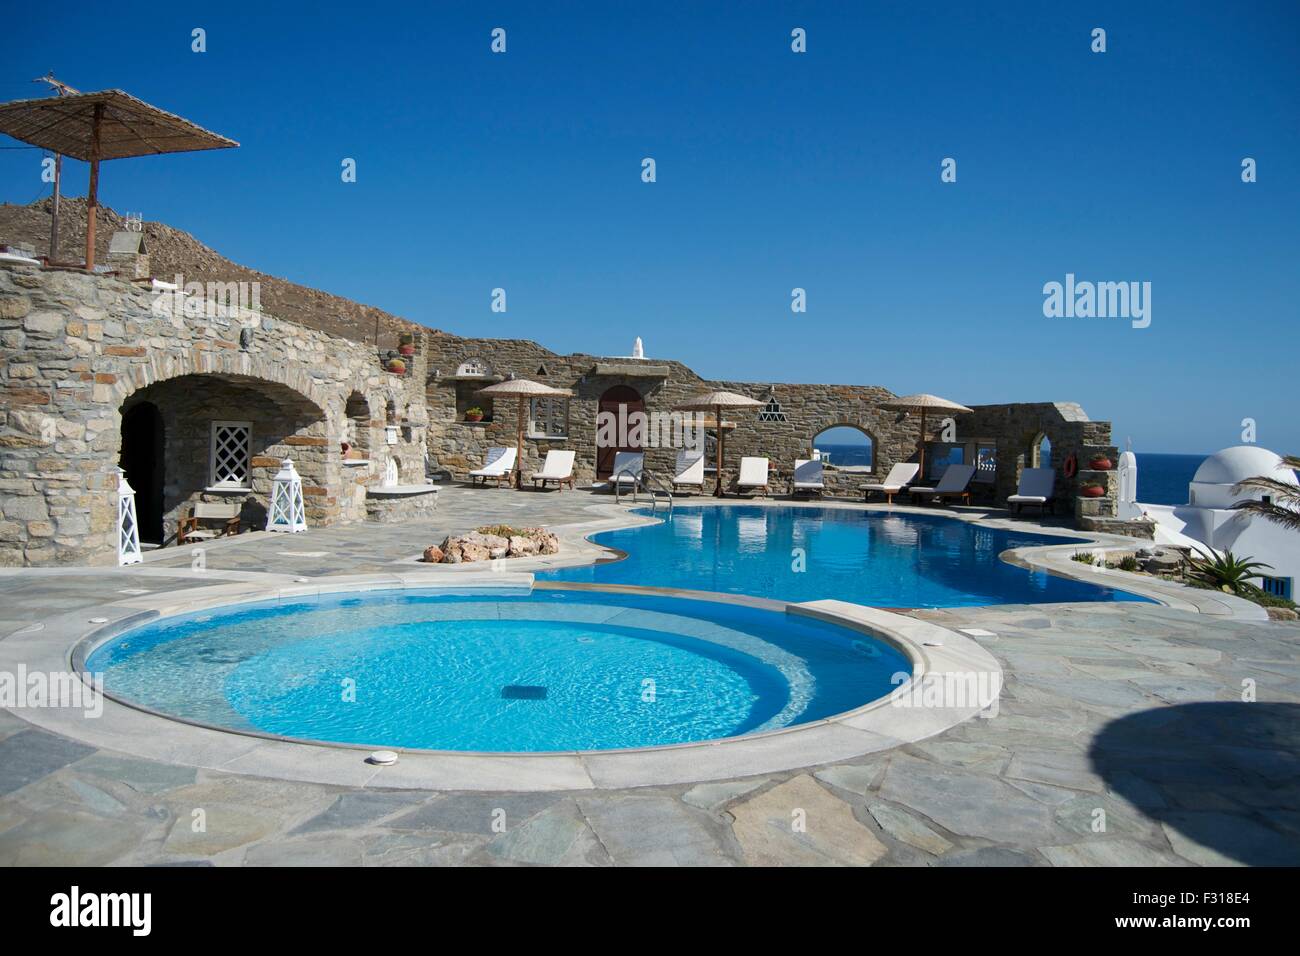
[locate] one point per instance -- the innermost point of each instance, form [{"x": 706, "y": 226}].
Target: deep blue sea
[
  {"x": 845, "y": 455},
  {"x": 1162, "y": 479}
]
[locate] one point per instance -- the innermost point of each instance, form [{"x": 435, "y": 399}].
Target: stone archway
[
  {"x": 223, "y": 438},
  {"x": 849, "y": 457}
]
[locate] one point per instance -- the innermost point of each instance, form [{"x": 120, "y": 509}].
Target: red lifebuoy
[{"x": 1071, "y": 466}]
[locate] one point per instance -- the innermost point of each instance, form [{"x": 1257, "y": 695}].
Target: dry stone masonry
[
  {"x": 97, "y": 372},
  {"x": 80, "y": 352}
]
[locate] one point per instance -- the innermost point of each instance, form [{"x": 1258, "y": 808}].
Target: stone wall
[
  {"x": 77, "y": 350},
  {"x": 808, "y": 409}
]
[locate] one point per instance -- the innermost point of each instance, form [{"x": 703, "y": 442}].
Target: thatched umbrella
[
  {"x": 924, "y": 403},
  {"x": 715, "y": 402},
  {"x": 109, "y": 124},
  {"x": 524, "y": 390}
]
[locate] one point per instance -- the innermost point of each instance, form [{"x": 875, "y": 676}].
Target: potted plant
[
  {"x": 1100, "y": 462},
  {"x": 396, "y": 366},
  {"x": 474, "y": 414},
  {"x": 406, "y": 344},
  {"x": 1092, "y": 489}
]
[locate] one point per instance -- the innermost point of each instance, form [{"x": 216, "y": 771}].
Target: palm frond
[
  {"x": 1281, "y": 490},
  {"x": 1283, "y": 508},
  {"x": 1271, "y": 511}
]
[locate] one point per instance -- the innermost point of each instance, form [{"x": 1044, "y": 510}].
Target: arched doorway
[
  {"x": 620, "y": 401},
  {"x": 142, "y": 460}
]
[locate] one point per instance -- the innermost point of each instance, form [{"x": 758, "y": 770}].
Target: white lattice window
[
  {"x": 548, "y": 417},
  {"x": 228, "y": 462}
]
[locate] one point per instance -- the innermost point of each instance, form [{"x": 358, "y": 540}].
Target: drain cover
[{"x": 523, "y": 692}]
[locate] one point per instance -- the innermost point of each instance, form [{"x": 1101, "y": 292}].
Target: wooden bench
[{"x": 223, "y": 516}]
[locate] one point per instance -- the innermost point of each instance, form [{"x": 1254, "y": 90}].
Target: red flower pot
[
  {"x": 473, "y": 418},
  {"x": 406, "y": 349},
  {"x": 1092, "y": 491},
  {"x": 1101, "y": 463}
]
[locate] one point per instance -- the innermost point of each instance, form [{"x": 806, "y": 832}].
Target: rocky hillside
[{"x": 173, "y": 252}]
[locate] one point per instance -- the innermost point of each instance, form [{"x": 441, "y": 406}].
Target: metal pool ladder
[{"x": 652, "y": 486}]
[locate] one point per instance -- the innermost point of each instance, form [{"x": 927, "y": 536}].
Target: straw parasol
[
  {"x": 715, "y": 402},
  {"x": 109, "y": 124},
  {"x": 523, "y": 389},
  {"x": 924, "y": 403}
]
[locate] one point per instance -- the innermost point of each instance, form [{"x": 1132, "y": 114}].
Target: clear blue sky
[{"x": 775, "y": 171}]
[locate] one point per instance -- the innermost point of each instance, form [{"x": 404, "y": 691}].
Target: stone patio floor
[{"x": 1127, "y": 734}]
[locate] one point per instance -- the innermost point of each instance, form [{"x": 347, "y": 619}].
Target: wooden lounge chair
[
  {"x": 222, "y": 516},
  {"x": 689, "y": 472},
  {"x": 808, "y": 478},
  {"x": 898, "y": 478},
  {"x": 558, "y": 468},
  {"x": 629, "y": 467},
  {"x": 499, "y": 466},
  {"x": 753, "y": 475},
  {"x": 954, "y": 483},
  {"x": 1036, "y": 486}
]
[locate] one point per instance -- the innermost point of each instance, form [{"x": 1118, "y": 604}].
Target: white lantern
[
  {"x": 128, "y": 529},
  {"x": 286, "y": 512}
]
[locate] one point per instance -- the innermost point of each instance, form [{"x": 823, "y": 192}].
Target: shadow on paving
[{"x": 1222, "y": 777}]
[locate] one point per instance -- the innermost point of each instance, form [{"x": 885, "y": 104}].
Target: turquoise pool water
[
  {"x": 547, "y": 670},
  {"x": 807, "y": 554}
]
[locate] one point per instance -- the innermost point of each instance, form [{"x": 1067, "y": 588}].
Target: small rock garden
[{"x": 492, "y": 542}]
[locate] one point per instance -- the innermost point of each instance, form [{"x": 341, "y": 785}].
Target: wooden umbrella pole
[
  {"x": 717, "y": 417},
  {"x": 92, "y": 198},
  {"x": 921, "y": 445},
  {"x": 519, "y": 448}
]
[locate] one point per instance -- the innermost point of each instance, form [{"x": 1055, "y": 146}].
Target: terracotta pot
[
  {"x": 1101, "y": 463},
  {"x": 406, "y": 349},
  {"x": 1092, "y": 491},
  {"x": 473, "y": 418},
  {"x": 396, "y": 366}
]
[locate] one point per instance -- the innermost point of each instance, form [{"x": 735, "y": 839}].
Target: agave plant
[
  {"x": 1226, "y": 571},
  {"x": 1283, "y": 506}
]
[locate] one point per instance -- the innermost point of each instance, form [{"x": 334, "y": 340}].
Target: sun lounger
[
  {"x": 558, "y": 468},
  {"x": 629, "y": 467},
  {"x": 1036, "y": 486},
  {"x": 894, "y": 482},
  {"x": 954, "y": 483},
  {"x": 689, "y": 472},
  {"x": 808, "y": 475},
  {"x": 753, "y": 475},
  {"x": 500, "y": 463}
]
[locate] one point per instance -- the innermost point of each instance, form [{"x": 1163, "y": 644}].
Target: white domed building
[{"x": 1209, "y": 518}]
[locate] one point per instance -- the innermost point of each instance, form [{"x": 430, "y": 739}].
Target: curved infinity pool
[
  {"x": 497, "y": 671},
  {"x": 806, "y": 554}
]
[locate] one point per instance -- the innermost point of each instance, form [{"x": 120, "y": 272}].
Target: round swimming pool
[{"x": 501, "y": 671}]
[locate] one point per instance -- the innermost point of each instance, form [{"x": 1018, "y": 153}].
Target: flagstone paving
[{"x": 1127, "y": 734}]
